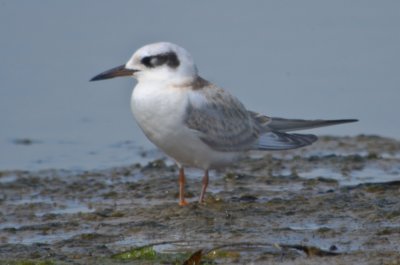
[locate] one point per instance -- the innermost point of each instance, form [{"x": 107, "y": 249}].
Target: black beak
[{"x": 114, "y": 72}]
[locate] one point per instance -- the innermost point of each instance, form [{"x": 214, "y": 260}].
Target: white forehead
[
  {"x": 186, "y": 68},
  {"x": 162, "y": 47}
]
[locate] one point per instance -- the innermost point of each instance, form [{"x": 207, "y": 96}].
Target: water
[
  {"x": 366, "y": 175},
  {"x": 306, "y": 59}
]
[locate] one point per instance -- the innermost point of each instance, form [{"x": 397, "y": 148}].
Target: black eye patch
[{"x": 168, "y": 58}]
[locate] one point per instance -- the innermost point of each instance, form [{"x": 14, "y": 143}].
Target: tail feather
[
  {"x": 287, "y": 125},
  {"x": 273, "y": 134},
  {"x": 283, "y": 141}
]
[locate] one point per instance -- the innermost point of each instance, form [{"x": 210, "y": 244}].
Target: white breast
[{"x": 160, "y": 112}]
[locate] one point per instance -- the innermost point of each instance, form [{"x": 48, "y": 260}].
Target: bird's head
[{"x": 160, "y": 62}]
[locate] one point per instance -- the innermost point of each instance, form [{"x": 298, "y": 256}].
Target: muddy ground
[{"x": 336, "y": 202}]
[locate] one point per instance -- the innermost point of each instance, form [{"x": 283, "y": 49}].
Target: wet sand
[{"x": 336, "y": 202}]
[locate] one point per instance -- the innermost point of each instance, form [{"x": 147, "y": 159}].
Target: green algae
[{"x": 145, "y": 253}]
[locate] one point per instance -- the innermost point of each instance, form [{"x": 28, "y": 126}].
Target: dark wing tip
[
  {"x": 96, "y": 78},
  {"x": 345, "y": 120}
]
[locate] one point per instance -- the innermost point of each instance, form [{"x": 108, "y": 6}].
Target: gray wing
[
  {"x": 273, "y": 134},
  {"x": 223, "y": 123},
  {"x": 273, "y": 139},
  {"x": 220, "y": 120},
  {"x": 283, "y": 141},
  {"x": 287, "y": 125}
]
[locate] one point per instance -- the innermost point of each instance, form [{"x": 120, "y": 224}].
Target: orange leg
[
  {"x": 204, "y": 187},
  {"x": 182, "y": 201}
]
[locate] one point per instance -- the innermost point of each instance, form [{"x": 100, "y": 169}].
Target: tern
[{"x": 195, "y": 122}]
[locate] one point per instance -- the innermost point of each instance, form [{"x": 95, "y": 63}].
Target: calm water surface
[{"x": 308, "y": 59}]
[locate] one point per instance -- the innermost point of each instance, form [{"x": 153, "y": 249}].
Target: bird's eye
[
  {"x": 154, "y": 61},
  {"x": 158, "y": 60},
  {"x": 169, "y": 58},
  {"x": 147, "y": 61}
]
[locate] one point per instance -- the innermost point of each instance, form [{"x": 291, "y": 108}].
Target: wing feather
[
  {"x": 222, "y": 122},
  {"x": 283, "y": 141}
]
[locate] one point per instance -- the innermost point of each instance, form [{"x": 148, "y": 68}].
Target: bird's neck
[{"x": 179, "y": 81}]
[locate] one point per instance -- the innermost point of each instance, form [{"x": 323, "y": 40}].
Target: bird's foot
[{"x": 183, "y": 202}]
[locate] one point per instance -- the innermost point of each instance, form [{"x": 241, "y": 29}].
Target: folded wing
[
  {"x": 287, "y": 125},
  {"x": 283, "y": 141},
  {"x": 223, "y": 123},
  {"x": 220, "y": 120}
]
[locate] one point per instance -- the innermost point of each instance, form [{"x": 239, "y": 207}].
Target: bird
[{"x": 195, "y": 122}]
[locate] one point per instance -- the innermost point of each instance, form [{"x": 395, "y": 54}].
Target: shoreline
[{"x": 340, "y": 195}]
